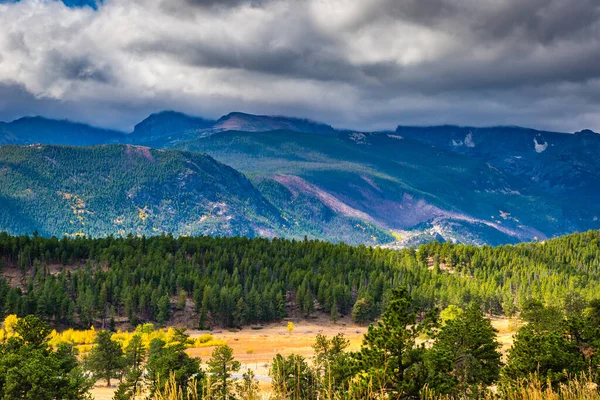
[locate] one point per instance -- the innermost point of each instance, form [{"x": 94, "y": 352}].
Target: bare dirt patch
[
  {"x": 16, "y": 279},
  {"x": 296, "y": 184},
  {"x": 141, "y": 151}
]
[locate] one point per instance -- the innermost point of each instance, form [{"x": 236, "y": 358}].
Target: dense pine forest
[{"x": 232, "y": 282}]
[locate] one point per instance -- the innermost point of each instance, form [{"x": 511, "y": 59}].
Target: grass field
[{"x": 255, "y": 348}]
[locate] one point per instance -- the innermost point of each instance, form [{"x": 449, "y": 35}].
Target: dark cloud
[
  {"x": 530, "y": 61},
  {"x": 16, "y": 102},
  {"x": 69, "y": 3},
  {"x": 534, "y": 21},
  {"x": 307, "y": 61},
  {"x": 541, "y": 21},
  {"x": 77, "y": 68},
  {"x": 188, "y": 8},
  {"x": 368, "y": 63},
  {"x": 226, "y": 3}
]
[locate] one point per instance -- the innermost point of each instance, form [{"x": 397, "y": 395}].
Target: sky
[{"x": 357, "y": 64}]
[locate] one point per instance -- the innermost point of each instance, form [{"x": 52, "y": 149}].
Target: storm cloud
[{"x": 364, "y": 64}]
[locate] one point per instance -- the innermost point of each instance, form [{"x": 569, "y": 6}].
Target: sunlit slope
[{"x": 413, "y": 188}]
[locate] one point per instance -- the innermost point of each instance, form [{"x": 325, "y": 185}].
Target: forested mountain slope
[
  {"x": 470, "y": 185},
  {"x": 236, "y": 281},
  {"x": 120, "y": 189},
  {"x": 564, "y": 165},
  {"x": 418, "y": 191}
]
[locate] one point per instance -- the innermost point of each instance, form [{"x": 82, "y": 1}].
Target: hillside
[
  {"x": 237, "y": 121},
  {"x": 562, "y": 164},
  {"x": 31, "y": 130},
  {"x": 231, "y": 282},
  {"x": 167, "y": 127},
  {"x": 418, "y": 191},
  {"x": 472, "y": 185},
  {"x": 120, "y": 189}
]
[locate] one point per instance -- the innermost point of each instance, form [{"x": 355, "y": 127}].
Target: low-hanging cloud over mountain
[{"x": 367, "y": 64}]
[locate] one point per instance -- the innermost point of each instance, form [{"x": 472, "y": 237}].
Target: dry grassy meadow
[{"x": 255, "y": 348}]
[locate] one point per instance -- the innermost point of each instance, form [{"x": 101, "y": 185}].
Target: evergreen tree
[
  {"x": 333, "y": 366},
  {"x": 163, "y": 310},
  {"x": 240, "y": 317},
  {"x": 31, "y": 370},
  {"x": 465, "y": 355},
  {"x": 221, "y": 366},
  {"x": 247, "y": 388},
  {"x": 334, "y": 315},
  {"x": 546, "y": 353},
  {"x": 292, "y": 378},
  {"x": 165, "y": 360},
  {"x": 135, "y": 352},
  {"x": 362, "y": 310},
  {"x": 389, "y": 356},
  {"x": 131, "y": 386},
  {"x": 105, "y": 360}
]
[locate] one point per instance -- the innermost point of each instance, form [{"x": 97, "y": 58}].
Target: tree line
[{"x": 232, "y": 282}]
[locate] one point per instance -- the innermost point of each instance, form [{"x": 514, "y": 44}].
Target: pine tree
[
  {"x": 334, "y": 312},
  {"x": 389, "y": 355},
  {"x": 465, "y": 354},
  {"x": 31, "y": 369},
  {"x": 202, "y": 323},
  {"x": 292, "y": 378},
  {"x": 333, "y": 366},
  {"x": 135, "y": 352},
  {"x": 106, "y": 358},
  {"x": 241, "y": 313},
  {"x": 163, "y": 310},
  {"x": 281, "y": 307},
  {"x": 221, "y": 366},
  {"x": 165, "y": 360},
  {"x": 362, "y": 310}
]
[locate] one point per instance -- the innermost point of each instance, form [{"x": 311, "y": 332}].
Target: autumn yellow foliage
[{"x": 85, "y": 339}]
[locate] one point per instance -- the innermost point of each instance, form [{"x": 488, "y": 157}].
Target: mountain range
[{"x": 269, "y": 176}]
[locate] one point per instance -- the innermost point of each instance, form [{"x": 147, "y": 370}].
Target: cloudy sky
[{"x": 363, "y": 64}]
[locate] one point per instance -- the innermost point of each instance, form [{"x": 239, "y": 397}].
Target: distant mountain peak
[
  {"x": 171, "y": 116},
  {"x": 586, "y": 132},
  {"x": 38, "y": 129},
  {"x": 37, "y": 120},
  {"x": 239, "y": 121},
  {"x": 166, "y": 123}
]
